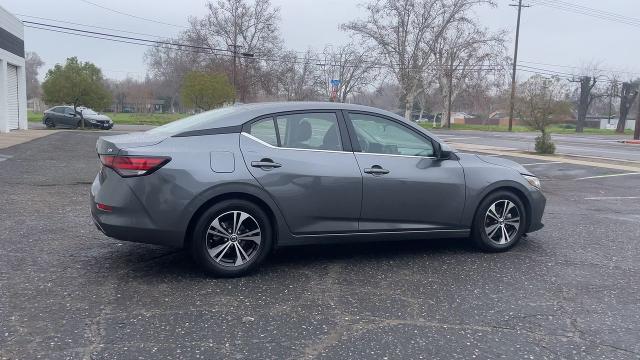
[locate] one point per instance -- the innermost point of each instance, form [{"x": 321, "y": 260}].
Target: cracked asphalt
[{"x": 571, "y": 290}]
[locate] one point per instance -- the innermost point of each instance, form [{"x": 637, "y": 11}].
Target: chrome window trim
[
  {"x": 397, "y": 155},
  {"x": 330, "y": 151},
  {"x": 287, "y": 148}
]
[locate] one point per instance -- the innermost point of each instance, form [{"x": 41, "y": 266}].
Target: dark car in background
[
  {"x": 66, "y": 116},
  {"x": 233, "y": 183}
]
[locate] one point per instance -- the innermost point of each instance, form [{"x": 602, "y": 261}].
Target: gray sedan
[{"x": 232, "y": 184}]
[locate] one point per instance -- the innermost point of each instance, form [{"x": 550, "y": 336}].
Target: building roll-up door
[{"x": 13, "y": 114}]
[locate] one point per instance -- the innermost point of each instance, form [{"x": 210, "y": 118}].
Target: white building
[{"x": 13, "y": 81}]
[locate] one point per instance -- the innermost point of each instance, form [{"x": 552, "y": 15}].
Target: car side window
[
  {"x": 377, "y": 135},
  {"x": 264, "y": 130},
  {"x": 69, "y": 111},
  {"x": 316, "y": 131},
  {"x": 58, "y": 110}
]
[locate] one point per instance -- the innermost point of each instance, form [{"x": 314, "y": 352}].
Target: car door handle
[
  {"x": 376, "y": 170},
  {"x": 265, "y": 164}
]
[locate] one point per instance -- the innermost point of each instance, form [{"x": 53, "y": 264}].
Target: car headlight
[{"x": 534, "y": 181}]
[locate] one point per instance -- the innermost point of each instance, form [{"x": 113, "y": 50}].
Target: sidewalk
[{"x": 22, "y": 136}]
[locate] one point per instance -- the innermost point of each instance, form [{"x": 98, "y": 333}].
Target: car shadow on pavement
[{"x": 149, "y": 260}]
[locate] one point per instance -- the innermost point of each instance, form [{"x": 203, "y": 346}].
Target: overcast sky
[{"x": 547, "y": 35}]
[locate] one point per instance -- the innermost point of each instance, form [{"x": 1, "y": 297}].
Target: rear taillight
[{"x": 128, "y": 166}]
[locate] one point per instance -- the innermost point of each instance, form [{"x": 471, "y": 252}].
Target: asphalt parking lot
[{"x": 570, "y": 290}]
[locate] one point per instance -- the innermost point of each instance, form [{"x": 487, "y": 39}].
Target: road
[
  {"x": 606, "y": 146},
  {"x": 570, "y": 290}
]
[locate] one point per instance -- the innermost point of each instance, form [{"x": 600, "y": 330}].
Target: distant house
[{"x": 607, "y": 123}]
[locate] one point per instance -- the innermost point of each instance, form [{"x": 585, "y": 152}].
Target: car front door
[
  {"x": 404, "y": 186},
  {"x": 305, "y": 162},
  {"x": 69, "y": 117}
]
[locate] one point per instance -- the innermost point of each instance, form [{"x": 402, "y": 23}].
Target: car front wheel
[
  {"x": 500, "y": 222},
  {"x": 231, "y": 238},
  {"x": 48, "y": 122}
]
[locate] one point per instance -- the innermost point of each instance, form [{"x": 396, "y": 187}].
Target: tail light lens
[{"x": 129, "y": 166}]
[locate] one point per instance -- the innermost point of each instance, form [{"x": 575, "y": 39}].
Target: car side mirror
[{"x": 442, "y": 152}]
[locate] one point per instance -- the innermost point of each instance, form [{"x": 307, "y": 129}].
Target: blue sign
[{"x": 335, "y": 82}]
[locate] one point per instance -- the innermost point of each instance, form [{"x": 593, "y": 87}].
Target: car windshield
[
  {"x": 88, "y": 112},
  {"x": 194, "y": 122}
]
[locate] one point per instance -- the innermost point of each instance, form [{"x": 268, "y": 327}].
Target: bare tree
[
  {"x": 33, "y": 63},
  {"x": 244, "y": 27},
  {"x": 590, "y": 89},
  {"x": 401, "y": 30},
  {"x": 628, "y": 95},
  {"x": 353, "y": 66},
  {"x": 464, "y": 51},
  {"x": 298, "y": 78},
  {"x": 540, "y": 102}
]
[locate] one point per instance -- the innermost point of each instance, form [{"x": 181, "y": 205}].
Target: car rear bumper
[{"x": 128, "y": 220}]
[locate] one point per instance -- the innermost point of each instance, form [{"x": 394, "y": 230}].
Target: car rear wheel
[
  {"x": 231, "y": 238},
  {"x": 48, "y": 122},
  {"x": 500, "y": 222}
]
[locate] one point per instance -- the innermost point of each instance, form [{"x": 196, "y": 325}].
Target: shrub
[{"x": 544, "y": 145}]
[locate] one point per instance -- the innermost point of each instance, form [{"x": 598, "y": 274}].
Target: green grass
[
  {"x": 126, "y": 118},
  {"x": 144, "y": 119},
  {"x": 33, "y": 116},
  {"x": 518, "y": 128}
]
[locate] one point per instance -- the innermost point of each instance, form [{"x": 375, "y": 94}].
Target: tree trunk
[
  {"x": 408, "y": 105},
  {"x": 627, "y": 97},
  {"x": 75, "y": 111},
  {"x": 583, "y": 105}
]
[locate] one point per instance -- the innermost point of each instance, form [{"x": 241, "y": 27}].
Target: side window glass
[
  {"x": 59, "y": 110},
  {"x": 265, "y": 131},
  {"x": 378, "y": 135},
  {"x": 68, "y": 111},
  {"x": 316, "y": 131}
]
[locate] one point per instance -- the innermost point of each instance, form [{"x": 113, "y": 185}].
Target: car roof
[{"x": 246, "y": 112}]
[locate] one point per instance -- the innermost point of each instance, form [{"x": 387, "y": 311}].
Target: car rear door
[
  {"x": 404, "y": 186},
  {"x": 305, "y": 162}
]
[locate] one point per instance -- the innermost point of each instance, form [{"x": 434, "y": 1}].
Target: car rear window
[{"x": 200, "y": 121}]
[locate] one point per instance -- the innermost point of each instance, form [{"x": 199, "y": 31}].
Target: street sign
[{"x": 335, "y": 82}]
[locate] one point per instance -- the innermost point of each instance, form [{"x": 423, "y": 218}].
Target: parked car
[
  {"x": 233, "y": 183},
  {"x": 65, "y": 116}
]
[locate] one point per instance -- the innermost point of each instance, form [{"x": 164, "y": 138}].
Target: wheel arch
[
  {"x": 279, "y": 226},
  {"x": 512, "y": 188}
]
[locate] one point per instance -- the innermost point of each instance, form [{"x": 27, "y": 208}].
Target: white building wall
[{"x": 14, "y": 26}]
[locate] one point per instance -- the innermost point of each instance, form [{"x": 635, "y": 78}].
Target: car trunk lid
[{"x": 111, "y": 145}]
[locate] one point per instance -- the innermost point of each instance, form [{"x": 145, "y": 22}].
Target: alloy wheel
[
  {"x": 233, "y": 238},
  {"x": 502, "y": 221}
]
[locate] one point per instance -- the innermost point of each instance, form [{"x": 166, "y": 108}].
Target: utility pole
[{"x": 515, "y": 63}]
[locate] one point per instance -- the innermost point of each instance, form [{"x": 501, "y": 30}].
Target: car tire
[
  {"x": 48, "y": 122},
  {"x": 231, "y": 238},
  {"x": 495, "y": 229}
]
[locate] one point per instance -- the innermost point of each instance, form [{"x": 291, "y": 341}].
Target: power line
[
  {"x": 125, "y": 37},
  {"x": 131, "y": 15},
  {"x": 203, "y": 49},
  {"x": 579, "y": 68},
  {"x": 583, "y": 10},
  {"x": 89, "y": 26}
]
